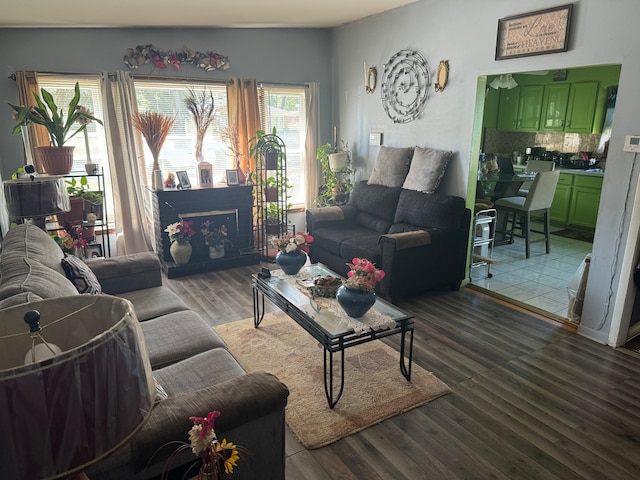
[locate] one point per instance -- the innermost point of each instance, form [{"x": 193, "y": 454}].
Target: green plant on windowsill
[
  {"x": 79, "y": 189},
  {"x": 337, "y": 184}
]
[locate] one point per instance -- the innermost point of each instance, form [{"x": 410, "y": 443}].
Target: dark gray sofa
[
  {"x": 419, "y": 239},
  {"x": 188, "y": 358}
]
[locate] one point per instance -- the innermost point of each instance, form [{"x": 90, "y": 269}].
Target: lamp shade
[
  {"x": 38, "y": 197},
  {"x": 59, "y": 415}
]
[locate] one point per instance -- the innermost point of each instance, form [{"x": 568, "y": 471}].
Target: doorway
[{"x": 540, "y": 283}]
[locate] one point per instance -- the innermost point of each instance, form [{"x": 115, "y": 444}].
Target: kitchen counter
[{"x": 596, "y": 172}]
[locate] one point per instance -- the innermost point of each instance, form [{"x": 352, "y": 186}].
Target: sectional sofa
[{"x": 189, "y": 360}]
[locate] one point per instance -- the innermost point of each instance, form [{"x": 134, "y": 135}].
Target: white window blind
[
  {"x": 284, "y": 108},
  {"x": 178, "y": 151}
]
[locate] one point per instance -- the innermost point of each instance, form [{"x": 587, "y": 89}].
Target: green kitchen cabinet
[
  {"x": 585, "y": 200},
  {"x": 508, "y": 109},
  {"x": 559, "y": 211},
  {"x": 519, "y": 109},
  {"x": 491, "y": 105},
  {"x": 581, "y": 107},
  {"x": 529, "y": 108},
  {"x": 554, "y": 107}
]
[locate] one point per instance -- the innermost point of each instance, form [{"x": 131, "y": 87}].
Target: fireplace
[{"x": 225, "y": 205}]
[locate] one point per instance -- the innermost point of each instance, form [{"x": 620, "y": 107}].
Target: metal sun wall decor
[
  {"x": 404, "y": 87},
  {"x": 143, "y": 54}
]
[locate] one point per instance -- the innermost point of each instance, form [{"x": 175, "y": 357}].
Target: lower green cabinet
[
  {"x": 585, "y": 200},
  {"x": 559, "y": 211},
  {"x": 576, "y": 200}
]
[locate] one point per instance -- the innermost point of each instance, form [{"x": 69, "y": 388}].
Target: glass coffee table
[{"x": 325, "y": 321}]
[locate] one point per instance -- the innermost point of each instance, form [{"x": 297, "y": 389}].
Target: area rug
[
  {"x": 374, "y": 387},
  {"x": 575, "y": 234}
]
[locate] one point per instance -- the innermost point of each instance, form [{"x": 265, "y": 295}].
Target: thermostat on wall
[{"x": 632, "y": 143}]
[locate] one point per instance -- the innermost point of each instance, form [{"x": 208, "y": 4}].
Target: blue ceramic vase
[
  {"x": 355, "y": 302},
  {"x": 291, "y": 263}
]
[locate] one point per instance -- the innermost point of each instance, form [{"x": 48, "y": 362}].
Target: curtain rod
[{"x": 163, "y": 78}]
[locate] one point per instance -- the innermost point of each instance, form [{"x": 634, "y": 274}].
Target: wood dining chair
[{"x": 538, "y": 200}]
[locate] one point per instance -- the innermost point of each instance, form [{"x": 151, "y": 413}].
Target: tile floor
[{"x": 542, "y": 279}]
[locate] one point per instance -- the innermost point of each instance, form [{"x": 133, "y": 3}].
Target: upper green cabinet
[
  {"x": 519, "y": 108},
  {"x": 582, "y": 107},
  {"x": 554, "y": 107},
  {"x": 508, "y": 109}
]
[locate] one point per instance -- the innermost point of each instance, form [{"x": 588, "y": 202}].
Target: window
[
  {"x": 62, "y": 88},
  {"x": 178, "y": 151},
  {"x": 284, "y": 108}
]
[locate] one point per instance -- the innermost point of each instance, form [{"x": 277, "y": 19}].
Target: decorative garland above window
[
  {"x": 405, "y": 83},
  {"x": 143, "y": 54}
]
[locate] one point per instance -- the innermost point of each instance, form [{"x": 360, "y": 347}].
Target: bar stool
[{"x": 538, "y": 200}]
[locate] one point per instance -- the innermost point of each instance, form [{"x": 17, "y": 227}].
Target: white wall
[{"x": 464, "y": 33}]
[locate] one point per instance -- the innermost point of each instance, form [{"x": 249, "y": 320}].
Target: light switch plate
[
  {"x": 632, "y": 143},
  {"x": 375, "y": 139}
]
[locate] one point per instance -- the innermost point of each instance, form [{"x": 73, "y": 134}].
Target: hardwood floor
[{"x": 531, "y": 399}]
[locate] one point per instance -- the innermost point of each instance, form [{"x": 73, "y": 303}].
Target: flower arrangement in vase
[
  {"x": 215, "y": 238},
  {"x": 293, "y": 250},
  {"x": 60, "y": 129},
  {"x": 70, "y": 240},
  {"x": 180, "y": 233},
  {"x": 357, "y": 295},
  {"x": 217, "y": 457},
  {"x": 203, "y": 109},
  {"x": 155, "y": 128}
]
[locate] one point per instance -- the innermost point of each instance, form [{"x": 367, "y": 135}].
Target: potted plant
[
  {"x": 215, "y": 238},
  {"x": 274, "y": 217},
  {"x": 82, "y": 201},
  {"x": 56, "y": 159},
  {"x": 337, "y": 186}
]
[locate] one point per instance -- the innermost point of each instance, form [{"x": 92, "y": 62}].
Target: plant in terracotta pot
[
  {"x": 59, "y": 127},
  {"x": 82, "y": 200}
]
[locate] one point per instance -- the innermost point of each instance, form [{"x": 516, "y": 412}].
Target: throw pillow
[
  {"x": 391, "y": 167},
  {"x": 81, "y": 275},
  {"x": 427, "y": 169}
]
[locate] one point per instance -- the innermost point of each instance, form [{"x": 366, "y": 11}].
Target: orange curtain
[
  {"x": 37, "y": 134},
  {"x": 243, "y": 108}
]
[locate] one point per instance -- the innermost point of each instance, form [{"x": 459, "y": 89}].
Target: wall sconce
[
  {"x": 504, "y": 81},
  {"x": 370, "y": 78}
]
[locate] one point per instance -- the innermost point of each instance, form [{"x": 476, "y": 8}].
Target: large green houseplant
[{"x": 57, "y": 159}]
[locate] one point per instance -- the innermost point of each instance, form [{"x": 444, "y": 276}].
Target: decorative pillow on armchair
[
  {"x": 427, "y": 169},
  {"x": 81, "y": 275},
  {"x": 391, "y": 167}
]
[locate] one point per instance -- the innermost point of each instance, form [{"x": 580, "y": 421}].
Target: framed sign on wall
[{"x": 534, "y": 33}]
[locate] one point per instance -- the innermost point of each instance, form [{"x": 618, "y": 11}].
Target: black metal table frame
[{"x": 333, "y": 344}]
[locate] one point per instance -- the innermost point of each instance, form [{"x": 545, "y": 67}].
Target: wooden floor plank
[{"x": 530, "y": 398}]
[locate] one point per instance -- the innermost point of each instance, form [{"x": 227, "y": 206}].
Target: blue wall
[{"x": 291, "y": 56}]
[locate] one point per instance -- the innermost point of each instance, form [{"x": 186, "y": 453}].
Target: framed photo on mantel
[{"x": 534, "y": 33}]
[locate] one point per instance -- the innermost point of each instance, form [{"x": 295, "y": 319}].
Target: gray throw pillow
[
  {"x": 427, "y": 169},
  {"x": 391, "y": 167}
]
